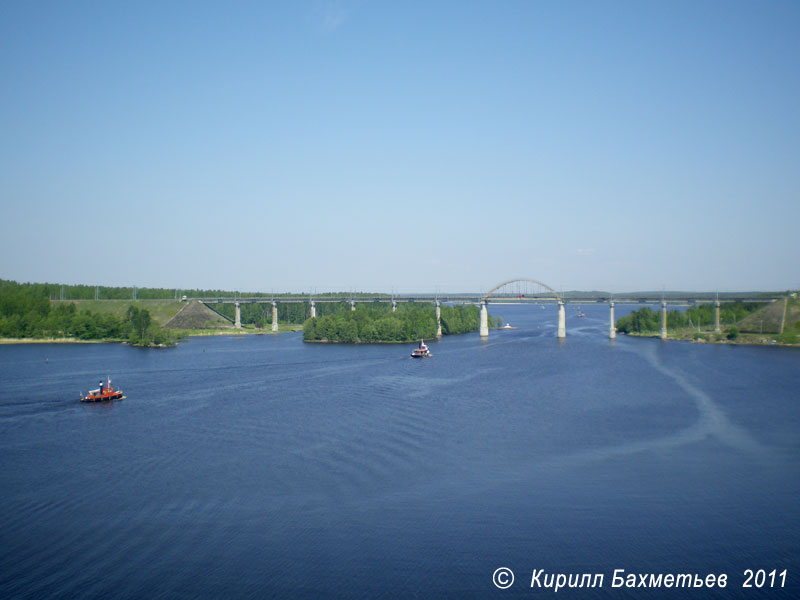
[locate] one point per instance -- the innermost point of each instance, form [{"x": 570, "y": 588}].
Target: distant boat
[
  {"x": 507, "y": 326},
  {"x": 104, "y": 393},
  {"x": 422, "y": 351}
]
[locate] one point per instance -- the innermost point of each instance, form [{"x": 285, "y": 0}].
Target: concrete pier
[
  {"x": 313, "y": 310},
  {"x": 562, "y": 321},
  {"x": 275, "y": 316},
  {"x": 612, "y": 330},
  {"x": 352, "y": 305},
  {"x": 663, "y": 320},
  {"x": 716, "y": 316},
  {"x": 783, "y": 315},
  {"x": 438, "y": 319},
  {"x": 394, "y": 306},
  {"x": 237, "y": 323},
  {"x": 484, "y": 331}
]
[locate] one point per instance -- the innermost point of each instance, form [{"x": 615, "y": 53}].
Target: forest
[{"x": 27, "y": 312}]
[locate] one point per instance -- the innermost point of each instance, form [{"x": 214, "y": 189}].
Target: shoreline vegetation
[
  {"x": 710, "y": 337},
  {"x": 179, "y": 334},
  {"x": 777, "y": 323}
]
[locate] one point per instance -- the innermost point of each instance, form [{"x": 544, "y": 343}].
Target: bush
[{"x": 733, "y": 332}]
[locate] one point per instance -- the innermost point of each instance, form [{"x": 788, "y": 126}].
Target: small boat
[
  {"x": 580, "y": 314},
  {"x": 507, "y": 326},
  {"x": 104, "y": 393},
  {"x": 422, "y": 351}
]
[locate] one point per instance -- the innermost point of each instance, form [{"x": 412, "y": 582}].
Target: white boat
[{"x": 422, "y": 351}]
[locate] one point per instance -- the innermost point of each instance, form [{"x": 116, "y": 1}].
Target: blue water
[{"x": 262, "y": 467}]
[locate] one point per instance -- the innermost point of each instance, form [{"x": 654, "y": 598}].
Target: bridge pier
[
  {"x": 438, "y": 319},
  {"x": 562, "y": 321},
  {"x": 663, "y": 320},
  {"x": 394, "y": 306},
  {"x": 716, "y": 317},
  {"x": 275, "y": 317},
  {"x": 612, "y": 330},
  {"x": 352, "y": 305},
  {"x": 783, "y": 315},
  {"x": 484, "y": 331},
  {"x": 313, "y": 310},
  {"x": 237, "y": 322}
]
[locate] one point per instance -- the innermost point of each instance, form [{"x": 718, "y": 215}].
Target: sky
[{"x": 401, "y": 146}]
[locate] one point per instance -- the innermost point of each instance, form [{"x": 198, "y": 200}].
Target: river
[{"x": 262, "y": 467}]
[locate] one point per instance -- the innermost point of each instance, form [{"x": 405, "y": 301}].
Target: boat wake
[{"x": 711, "y": 423}]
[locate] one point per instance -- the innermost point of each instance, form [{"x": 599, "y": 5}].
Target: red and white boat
[
  {"x": 422, "y": 351},
  {"x": 103, "y": 394}
]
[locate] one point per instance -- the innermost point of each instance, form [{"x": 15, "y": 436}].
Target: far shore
[
  {"x": 742, "y": 340},
  {"x": 55, "y": 341},
  {"x": 181, "y": 333}
]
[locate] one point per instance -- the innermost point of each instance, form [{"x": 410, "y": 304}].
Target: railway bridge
[{"x": 512, "y": 291}]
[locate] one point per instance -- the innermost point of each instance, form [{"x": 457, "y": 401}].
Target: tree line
[
  {"x": 58, "y": 291},
  {"x": 375, "y": 322}
]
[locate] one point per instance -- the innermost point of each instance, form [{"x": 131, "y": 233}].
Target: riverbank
[
  {"x": 709, "y": 337},
  {"x": 9, "y": 341},
  {"x": 178, "y": 332},
  {"x": 69, "y": 340}
]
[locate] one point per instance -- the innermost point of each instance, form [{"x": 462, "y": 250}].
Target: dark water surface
[{"x": 262, "y": 467}]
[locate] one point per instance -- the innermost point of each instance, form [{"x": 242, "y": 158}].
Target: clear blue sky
[{"x": 412, "y": 146}]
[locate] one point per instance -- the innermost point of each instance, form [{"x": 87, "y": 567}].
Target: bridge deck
[{"x": 700, "y": 298}]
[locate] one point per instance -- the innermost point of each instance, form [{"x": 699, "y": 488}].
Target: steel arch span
[{"x": 524, "y": 287}]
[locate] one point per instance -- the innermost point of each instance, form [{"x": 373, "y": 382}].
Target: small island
[{"x": 376, "y": 323}]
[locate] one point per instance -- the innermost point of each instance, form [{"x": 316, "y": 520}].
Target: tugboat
[
  {"x": 422, "y": 351},
  {"x": 104, "y": 393}
]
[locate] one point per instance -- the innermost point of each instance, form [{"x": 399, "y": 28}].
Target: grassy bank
[
  {"x": 231, "y": 331},
  {"x": 160, "y": 310}
]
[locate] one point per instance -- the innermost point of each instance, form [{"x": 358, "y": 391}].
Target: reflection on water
[{"x": 263, "y": 467}]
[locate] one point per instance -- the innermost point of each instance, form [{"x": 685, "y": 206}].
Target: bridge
[{"x": 512, "y": 291}]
